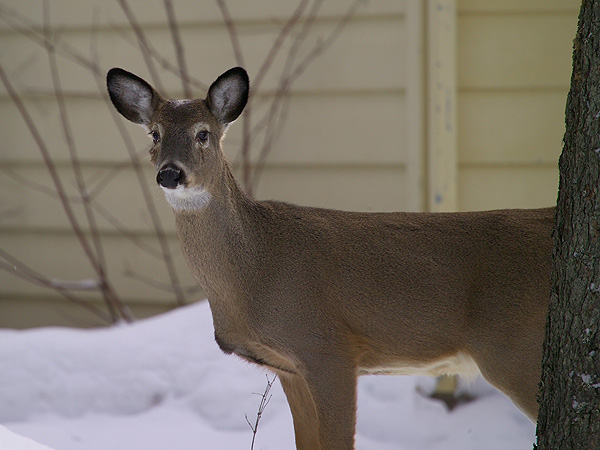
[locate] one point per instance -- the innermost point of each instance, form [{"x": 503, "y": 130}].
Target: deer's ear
[
  {"x": 133, "y": 97},
  {"x": 228, "y": 95}
]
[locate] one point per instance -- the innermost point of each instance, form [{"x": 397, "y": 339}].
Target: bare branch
[
  {"x": 233, "y": 34},
  {"x": 161, "y": 236},
  {"x": 300, "y": 38},
  {"x": 264, "y": 402},
  {"x": 34, "y": 185},
  {"x": 247, "y": 132},
  {"x": 179, "y": 52},
  {"x": 292, "y": 74},
  {"x": 272, "y": 55},
  {"x": 165, "y": 287},
  {"x": 142, "y": 182},
  {"x": 322, "y": 46},
  {"x": 30, "y": 30},
  {"x": 143, "y": 43},
  {"x": 18, "y": 102},
  {"x": 283, "y": 89},
  {"x": 19, "y": 269},
  {"x": 111, "y": 299},
  {"x": 162, "y": 61},
  {"x": 132, "y": 236},
  {"x": 246, "y": 117}
]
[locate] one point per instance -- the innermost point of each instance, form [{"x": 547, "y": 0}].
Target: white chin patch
[{"x": 187, "y": 199}]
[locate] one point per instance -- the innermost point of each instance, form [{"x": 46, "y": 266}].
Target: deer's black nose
[{"x": 170, "y": 176}]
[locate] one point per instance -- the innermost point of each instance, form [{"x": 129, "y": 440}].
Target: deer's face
[
  {"x": 186, "y": 134},
  {"x": 185, "y": 147}
]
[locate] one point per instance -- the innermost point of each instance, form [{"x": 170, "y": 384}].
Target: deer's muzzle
[{"x": 170, "y": 176}]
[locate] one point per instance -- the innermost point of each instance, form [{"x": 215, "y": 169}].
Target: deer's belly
[{"x": 458, "y": 364}]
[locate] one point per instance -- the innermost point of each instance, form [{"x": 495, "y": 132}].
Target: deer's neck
[{"x": 218, "y": 239}]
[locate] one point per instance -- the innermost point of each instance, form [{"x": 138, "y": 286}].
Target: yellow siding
[
  {"x": 353, "y": 137},
  {"x": 514, "y": 66},
  {"x": 360, "y": 134}
]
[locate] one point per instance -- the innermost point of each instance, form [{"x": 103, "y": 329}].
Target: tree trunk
[{"x": 569, "y": 416}]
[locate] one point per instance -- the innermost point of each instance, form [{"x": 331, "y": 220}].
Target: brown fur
[{"x": 320, "y": 296}]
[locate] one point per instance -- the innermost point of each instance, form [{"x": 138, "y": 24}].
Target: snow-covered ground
[{"x": 162, "y": 383}]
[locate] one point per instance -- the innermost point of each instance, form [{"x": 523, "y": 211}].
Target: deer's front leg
[{"x": 323, "y": 405}]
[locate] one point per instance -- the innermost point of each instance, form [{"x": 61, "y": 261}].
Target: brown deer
[{"x": 322, "y": 296}]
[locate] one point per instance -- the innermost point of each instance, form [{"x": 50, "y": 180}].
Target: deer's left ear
[
  {"x": 228, "y": 95},
  {"x": 133, "y": 97}
]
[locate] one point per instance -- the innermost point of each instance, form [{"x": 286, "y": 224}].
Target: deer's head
[{"x": 186, "y": 134}]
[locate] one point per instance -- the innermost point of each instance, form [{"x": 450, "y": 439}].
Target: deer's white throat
[{"x": 187, "y": 198}]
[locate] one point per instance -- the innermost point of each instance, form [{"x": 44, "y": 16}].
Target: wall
[
  {"x": 352, "y": 139},
  {"x": 514, "y": 69},
  {"x": 361, "y": 133}
]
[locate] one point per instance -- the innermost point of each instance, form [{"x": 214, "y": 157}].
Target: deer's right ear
[{"x": 133, "y": 97}]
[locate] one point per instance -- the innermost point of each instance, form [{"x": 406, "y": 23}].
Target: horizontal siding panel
[
  {"x": 69, "y": 13},
  {"x": 515, "y": 52},
  {"x": 117, "y": 192},
  {"x": 60, "y": 257},
  {"x": 49, "y": 310},
  {"x": 368, "y": 54},
  {"x": 518, "y": 6},
  {"x": 350, "y": 129},
  {"x": 367, "y": 128},
  {"x": 517, "y": 127},
  {"x": 484, "y": 188},
  {"x": 347, "y": 188}
]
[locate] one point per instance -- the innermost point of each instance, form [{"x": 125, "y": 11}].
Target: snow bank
[
  {"x": 163, "y": 383},
  {"x": 12, "y": 441}
]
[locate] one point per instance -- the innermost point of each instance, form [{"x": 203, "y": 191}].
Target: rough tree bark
[{"x": 569, "y": 415}]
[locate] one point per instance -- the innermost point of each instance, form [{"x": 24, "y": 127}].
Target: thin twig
[
  {"x": 287, "y": 81},
  {"x": 132, "y": 236},
  {"x": 179, "y": 52},
  {"x": 16, "y": 267},
  {"x": 264, "y": 402},
  {"x": 18, "y": 102},
  {"x": 320, "y": 47},
  {"x": 246, "y": 117},
  {"x": 161, "y": 60},
  {"x": 34, "y": 185},
  {"x": 152, "y": 282},
  {"x": 154, "y": 218},
  {"x": 279, "y": 40},
  {"x": 233, "y": 34},
  {"x": 101, "y": 210},
  {"x": 180, "y": 298},
  {"x": 143, "y": 43},
  {"x": 101, "y": 182},
  {"x": 247, "y": 131},
  {"x": 110, "y": 297},
  {"x": 284, "y": 87},
  {"x": 142, "y": 182},
  {"x": 29, "y": 29}
]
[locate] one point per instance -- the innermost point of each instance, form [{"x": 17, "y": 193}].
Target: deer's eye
[
  {"x": 155, "y": 136},
  {"x": 202, "y": 136}
]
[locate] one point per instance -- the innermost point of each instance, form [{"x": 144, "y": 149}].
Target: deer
[{"x": 322, "y": 296}]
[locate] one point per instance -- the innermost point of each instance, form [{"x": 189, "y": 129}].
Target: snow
[
  {"x": 12, "y": 441},
  {"x": 163, "y": 383}
]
